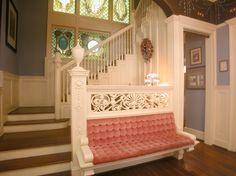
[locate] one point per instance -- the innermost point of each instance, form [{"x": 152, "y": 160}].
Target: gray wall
[
  {"x": 32, "y": 36},
  {"x": 194, "y": 111},
  {"x": 31, "y": 45},
  {"x": 8, "y": 58},
  {"x": 222, "y": 35}
]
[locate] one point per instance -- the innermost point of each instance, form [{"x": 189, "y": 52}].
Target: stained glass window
[
  {"x": 95, "y": 8},
  {"x": 65, "y": 6},
  {"x": 121, "y": 9},
  {"x": 89, "y": 39},
  {"x": 63, "y": 40}
]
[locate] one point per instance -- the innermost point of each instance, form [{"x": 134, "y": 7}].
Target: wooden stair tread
[
  {"x": 37, "y": 161},
  {"x": 30, "y": 122},
  {"x": 68, "y": 173},
  {"x": 33, "y": 110},
  {"x": 24, "y": 140}
]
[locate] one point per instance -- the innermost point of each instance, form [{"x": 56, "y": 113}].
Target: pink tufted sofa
[{"x": 126, "y": 137}]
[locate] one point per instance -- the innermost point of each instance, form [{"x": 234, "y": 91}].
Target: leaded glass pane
[
  {"x": 63, "y": 40},
  {"x": 95, "y": 8},
  {"x": 65, "y": 6},
  {"x": 121, "y": 9},
  {"x": 89, "y": 39}
]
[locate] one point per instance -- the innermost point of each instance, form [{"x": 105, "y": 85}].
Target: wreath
[{"x": 147, "y": 49}]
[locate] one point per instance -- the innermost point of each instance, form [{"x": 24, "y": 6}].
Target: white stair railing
[{"x": 96, "y": 60}]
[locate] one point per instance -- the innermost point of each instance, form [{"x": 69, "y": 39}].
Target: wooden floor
[{"x": 203, "y": 161}]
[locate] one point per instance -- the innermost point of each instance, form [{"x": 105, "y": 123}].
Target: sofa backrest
[{"x": 128, "y": 128}]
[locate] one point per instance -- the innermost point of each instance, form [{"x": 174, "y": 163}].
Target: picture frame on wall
[
  {"x": 223, "y": 66},
  {"x": 196, "y": 56},
  {"x": 11, "y": 26},
  {"x": 195, "y": 78}
]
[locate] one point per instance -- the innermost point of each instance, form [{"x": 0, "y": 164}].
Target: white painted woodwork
[
  {"x": 176, "y": 26},
  {"x": 35, "y": 171},
  {"x": 197, "y": 133},
  {"x": 35, "y": 127},
  {"x": 232, "y": 69},
  {"x": 135, "y": 93},
  {"x": 78, "y": 109},
  {"x": 9, "y": 96},
  {"x": 32, "y": 152},
  {"x": 222, "y": 116}
]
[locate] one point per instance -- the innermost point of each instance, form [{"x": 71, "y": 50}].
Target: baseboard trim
[
  {"x": 32, "y": 152},
  {"x": 197, "y": 133}
]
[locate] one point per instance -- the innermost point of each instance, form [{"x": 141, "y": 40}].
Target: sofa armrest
[
  {"x": 87, "y": 154},
  {"x": 191, "y": 136},
  {"x": 83, "y": 141}
]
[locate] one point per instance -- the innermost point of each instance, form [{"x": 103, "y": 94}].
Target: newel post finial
[{"x": 78, "y": 54}]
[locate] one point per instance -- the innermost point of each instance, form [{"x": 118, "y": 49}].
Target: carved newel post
[{"x": 78, "y": 103}]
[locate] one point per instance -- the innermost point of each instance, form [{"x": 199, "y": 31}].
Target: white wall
[{"x": 154, "y": 28}]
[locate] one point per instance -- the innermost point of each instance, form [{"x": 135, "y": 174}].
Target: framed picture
[
  {"x": 223, "y": 66},
  {"x": 196, "y": 56},
  {"x": 195, "y": 78},
  {"x": 11, "y": 25}
]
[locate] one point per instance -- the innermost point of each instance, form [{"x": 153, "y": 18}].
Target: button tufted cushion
[{"x": 119, "y": 138}]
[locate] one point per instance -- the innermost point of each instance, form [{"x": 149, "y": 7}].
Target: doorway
[{"x": 194, "y": 87}]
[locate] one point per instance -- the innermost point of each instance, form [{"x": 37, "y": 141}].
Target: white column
[
  {"x": 176, "y": 66},
  {"x": 232, "y": 69},
  {"x": 58, "y": 86}
]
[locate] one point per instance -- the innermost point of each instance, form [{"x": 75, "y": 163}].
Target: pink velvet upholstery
[{"x": 119, "y": 138}]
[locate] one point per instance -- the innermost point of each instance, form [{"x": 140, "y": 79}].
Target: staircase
[{"x": 35, "y": 143}]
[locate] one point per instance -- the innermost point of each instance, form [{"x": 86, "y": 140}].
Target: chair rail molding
[{"x": 176, "y": 27}]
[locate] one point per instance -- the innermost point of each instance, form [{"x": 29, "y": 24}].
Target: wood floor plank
[
  {"x": 33, "y": 110},
  {"x": 38, "y": 161},
  {"x": 13, "y": 141},
  {"x": 203, "y": 161}
]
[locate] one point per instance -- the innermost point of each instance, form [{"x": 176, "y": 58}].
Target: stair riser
[
  {"x": 24, "y": 117},
  {"x": 35, "y": 127},
  {"x": 32, "y": 152},
  {"x": 55, "y": 168}
]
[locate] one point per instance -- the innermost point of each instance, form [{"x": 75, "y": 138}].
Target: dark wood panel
[
  {"x": 30, "y": 122},
  {"x": 35, "y": 161},
  {"x": 203, "y": 161},
  {"x": 24, "y": 140},
  {"x": 33, "y": 110},
  {"x": 60, "y": 174}
]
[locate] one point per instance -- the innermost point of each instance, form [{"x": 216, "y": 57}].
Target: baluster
[
  {"x": 112, "y": 52},
  {"x": 58, "y": 86}
]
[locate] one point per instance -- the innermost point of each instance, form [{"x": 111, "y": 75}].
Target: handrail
[
  {"x": 108, "y": 39},
  {"x": 87, "y": 52}
]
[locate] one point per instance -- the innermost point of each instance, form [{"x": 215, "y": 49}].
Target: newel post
[
  {"x": 57, "y": 85},
  {"x": 78, "y": 103}
]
